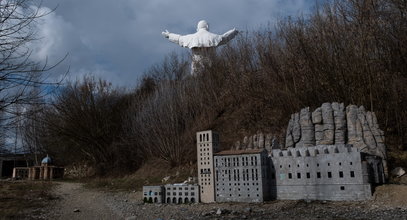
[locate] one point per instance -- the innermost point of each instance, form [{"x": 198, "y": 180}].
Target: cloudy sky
[{"x": 120, "y": 39}]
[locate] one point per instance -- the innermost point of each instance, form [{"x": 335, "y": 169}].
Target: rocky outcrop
[
  {"x": 258, "y": 141},
  {"x": 332, "y": 123}
]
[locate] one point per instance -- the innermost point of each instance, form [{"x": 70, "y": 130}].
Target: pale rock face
[
  {"x": 289, "y": 142},
  {"x": 296, "y": 128},
  {"x": 255, "y": 141},
  {"x": 268, "y": 142},
  {"x": 340, "y": 122},
  {"x": 328, "y": 122},
  {"x": 307, "y": 128},
  {"x": 199, "y": 40},
  {"x": 260, "y": 137},
  {"x": 335, "y": 124}
]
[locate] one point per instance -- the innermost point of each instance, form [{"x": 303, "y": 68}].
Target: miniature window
[
  {"x": 317, "y": 164},
  {"x": 352, "y": 174},
  {"x": 290, "y": 176},
  {"x": 316, "y": 152},
  {"x": 307, "y": 153},
  {"x": 186, "y": 193},
  {"x": 307, "y": 165},
  {"x": 298, "y": 175},
  {"x": 318, "y": 174},
  {"x": 168, "y": 193},
  {"x": 192, "y": 193},
  {"x": 298, "y": 154},
  {"x": 340, "y": 164},
  {"x": 326, "y": 151},
  {"x": 329, "y": 174},
  {"x": 342, "y": 187},
  {"x": 298, "y": 165},
  {"x": 200, "y": 137},
  {"x": 281, "y": 154},
  {"x": 289, "y": 153},
  {"x": 350, "y": 163},
  {"x": 155, "y": 193},
  {"x": 174, "y": 193},
  {"x": 308, "y": 175},
  {"x": 336, "y": 150},
  {"x": 329, "y": 164},
  {"x": 340, "y": 174}
]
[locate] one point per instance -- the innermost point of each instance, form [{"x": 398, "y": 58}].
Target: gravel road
[{"x": 76, "y": 202}]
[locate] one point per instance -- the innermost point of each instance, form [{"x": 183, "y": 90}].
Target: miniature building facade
[
  {"x": 207, "y": 145},
  {"x": 242, "y": 176},
  {"x": 153, "y": 194},
  {"x": 171, "y": 193},
  {"x": 44, "y": 172},
  {"x": 323, "y": 172},
  {"x": 181, "y": 193}
]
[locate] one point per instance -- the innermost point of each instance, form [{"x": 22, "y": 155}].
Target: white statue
[{"x": 202, "y": 43}]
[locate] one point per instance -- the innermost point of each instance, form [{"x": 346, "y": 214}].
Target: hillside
[{"x": 351, "y": 52}]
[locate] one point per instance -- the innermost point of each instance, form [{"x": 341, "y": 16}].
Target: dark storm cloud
[{"x": 118, "y": 40}]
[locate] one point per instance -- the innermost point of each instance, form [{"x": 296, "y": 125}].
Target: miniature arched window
[
  {"x": 186, "y": 200},
  {"x": 316, "y": 152},
  {"x": 168, "y": 200},
  {"x": 207, "y": 137},
  {"x": 326, "y": 151},
  {"x": 336, "y": 150},
  {"x": 307, "y": 153},
  {"x": 155, "y": 200},
  {"x": 179, "y": 200},
  {"x": 281, "y": 154},
  {"x": 200, "y": 137},
  {"x": 298, "y": 153},
  {"x": 289, "y": 153},
  {"x": 192, "y": 200},
  {"x": 174, "y": 200}
]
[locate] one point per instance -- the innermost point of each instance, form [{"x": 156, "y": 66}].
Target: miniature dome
[{"x": 46, "y": 160}]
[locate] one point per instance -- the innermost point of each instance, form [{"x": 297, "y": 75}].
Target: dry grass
[
  {"x": 23, "y": 199},
  {"x": 151, "y": 173}
]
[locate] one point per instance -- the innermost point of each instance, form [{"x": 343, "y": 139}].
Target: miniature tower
[{"x": 207, "y": 144}]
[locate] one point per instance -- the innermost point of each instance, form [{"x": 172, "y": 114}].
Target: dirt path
[
  {"x": 76, "y": 202},
  {"x": 388, "y": 203}
]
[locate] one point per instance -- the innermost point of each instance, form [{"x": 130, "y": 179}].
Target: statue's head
[{"x": 202, "y": 25}]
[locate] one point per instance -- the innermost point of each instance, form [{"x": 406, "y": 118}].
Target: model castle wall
[{"x": 323, "y": 172}]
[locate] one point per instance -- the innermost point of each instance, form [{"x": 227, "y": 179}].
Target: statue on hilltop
[{"x": 202, "y": 43}]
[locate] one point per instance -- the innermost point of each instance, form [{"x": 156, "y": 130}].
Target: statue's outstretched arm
[
  {"x": 226, "y": 37},
  {"x": 172, "y": 37}
]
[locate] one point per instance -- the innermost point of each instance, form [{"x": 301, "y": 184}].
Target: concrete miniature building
[
  {"x": 153, "y": 194},
  {"x": 181, "y": 193},
  {"x": 323, "y": 172},
  {"x": 242, "y": 176},
  {"x": 207, "y": 145}
]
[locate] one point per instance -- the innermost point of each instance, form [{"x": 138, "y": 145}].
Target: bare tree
[{"x": 22, "y": 81}]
